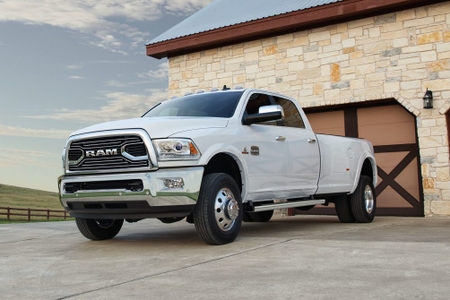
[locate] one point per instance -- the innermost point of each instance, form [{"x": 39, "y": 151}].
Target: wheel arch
[
  {"x": 226, "y": 163},
  {"x": 368, "y": 168}
]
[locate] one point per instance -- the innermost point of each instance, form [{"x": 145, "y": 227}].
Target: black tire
[
  {"x": 218, "y": 213},
  {"x": 363, "y": 201},
  {"x": 262, "y": 216},
  {"x": 344, "y": 209},
  {"x": 97, "y": 230}
]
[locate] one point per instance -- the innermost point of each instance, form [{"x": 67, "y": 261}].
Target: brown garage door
[{"x": 392, "y": 131}]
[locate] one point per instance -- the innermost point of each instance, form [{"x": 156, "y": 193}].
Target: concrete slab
[{"x": 301, "y": 257}]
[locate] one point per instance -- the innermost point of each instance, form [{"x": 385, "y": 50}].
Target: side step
[{"x": 289, "y": 204}]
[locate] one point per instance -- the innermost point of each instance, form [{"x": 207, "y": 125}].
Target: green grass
[
  {"x": 17, "y": 197},
  {"x": 13, "y": 196}
]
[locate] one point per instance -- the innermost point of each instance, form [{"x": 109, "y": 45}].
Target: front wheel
[
  {"x": 218, "y": 213},
  {"x": 363, "y": 201},
  {"x": 99, "y": 229}
]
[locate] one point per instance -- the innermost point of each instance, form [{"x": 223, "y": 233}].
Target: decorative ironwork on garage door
[{"x": 392, "y": 131}]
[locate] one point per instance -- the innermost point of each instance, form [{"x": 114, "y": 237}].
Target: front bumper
[{"x": 132, "y": 195}]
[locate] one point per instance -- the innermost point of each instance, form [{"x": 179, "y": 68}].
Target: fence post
[
  {"x": 29, "y": 215},
  {"x": 7, "y": 213},
  {"x": 48, "y": 214}
]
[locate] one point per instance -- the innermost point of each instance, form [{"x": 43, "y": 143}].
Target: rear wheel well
[
  {"x": 367, "y": 169},
  {"x": 224, "y": 163}
]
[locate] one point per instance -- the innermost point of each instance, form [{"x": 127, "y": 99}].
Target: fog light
[{"x": 173, "y": 183}]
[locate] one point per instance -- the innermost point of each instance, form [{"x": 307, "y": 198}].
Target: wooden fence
[{"x": 13, "y": 214}]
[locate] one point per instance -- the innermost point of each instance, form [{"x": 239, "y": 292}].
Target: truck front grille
[{"x": 108, "y": 153}]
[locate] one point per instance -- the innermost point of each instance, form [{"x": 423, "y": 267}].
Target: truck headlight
[{"x": 176, "y": 149}]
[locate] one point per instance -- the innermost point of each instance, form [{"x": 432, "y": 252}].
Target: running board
[{"x": 289, "y": 204}]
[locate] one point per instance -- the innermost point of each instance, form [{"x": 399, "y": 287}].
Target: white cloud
[
  {"x": 76, "y": 77},
  {"x": 74, "y": 67},
  {"x": 36, "y": 133},
  {"x": 118, "y": 106},
  {"x": 161, "y": 73},
  {"x": 98, "y": 18},
  {"x": 10, "y": 157}
]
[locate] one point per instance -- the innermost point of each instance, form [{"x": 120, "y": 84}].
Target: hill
[{"x": 12, "y": 196}]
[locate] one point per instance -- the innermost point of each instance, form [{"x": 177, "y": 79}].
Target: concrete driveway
[{"x": 301, "y": 257}]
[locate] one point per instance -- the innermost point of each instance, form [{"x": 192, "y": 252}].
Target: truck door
[
  {"x": 303, "y": 150},
  {"x": 265, "y": 154}
]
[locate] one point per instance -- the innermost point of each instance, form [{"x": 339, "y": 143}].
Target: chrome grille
[{"x": 108, "y": 153}]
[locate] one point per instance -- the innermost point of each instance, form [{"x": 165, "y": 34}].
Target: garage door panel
[
  {"x": 389, "y": 198},
  {"x": 388, "y": 134},
  {"x": 390, "y": 114},
  {"x": 328, "y": 122}
]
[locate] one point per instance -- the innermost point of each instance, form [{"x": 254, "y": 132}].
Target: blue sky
[{"x": 68, "y": 64}]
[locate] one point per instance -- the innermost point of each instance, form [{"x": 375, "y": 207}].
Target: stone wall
[{"x": 397, "y": 55}]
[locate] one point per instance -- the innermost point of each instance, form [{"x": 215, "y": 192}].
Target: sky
[{"x": 68, "y": 64}]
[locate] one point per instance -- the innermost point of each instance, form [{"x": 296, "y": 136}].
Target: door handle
[
  {"x": 280, "y": 138},
  {"x": 312, "y": 141}
]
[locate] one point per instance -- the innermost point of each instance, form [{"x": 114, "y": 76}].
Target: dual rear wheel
[{"x": 360, "y": 206}]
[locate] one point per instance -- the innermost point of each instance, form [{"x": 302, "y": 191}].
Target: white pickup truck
[{"x": 215, "y": 158}]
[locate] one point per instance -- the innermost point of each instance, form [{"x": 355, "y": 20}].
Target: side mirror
[{"x": 265, "y": 114}]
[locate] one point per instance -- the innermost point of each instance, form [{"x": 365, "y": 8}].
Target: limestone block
[
  {"x": 418, "y": 21},
  {"x": 296, "y": 66},
  {"x": 429, "y": 38},
  {"x": 319, "y": 36},
  {"x": 335, "y": 73},
  {"x": 409, "y": 14},
  {"x": 423, "y": 132},
  {"x": 442, "y": 158},
  {"x": 446, "y": 195},
  {"x": 430, "y": 141},
  {"x": 440, "y": 207}
]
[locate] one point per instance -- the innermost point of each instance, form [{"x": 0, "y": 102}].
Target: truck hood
[{"x": 161, "y": 127}]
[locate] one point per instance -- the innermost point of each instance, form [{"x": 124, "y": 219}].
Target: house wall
[{"x": 397, "y": 55}]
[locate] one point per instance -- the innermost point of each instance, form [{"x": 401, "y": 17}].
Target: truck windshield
[{"x": 214, "y": 104}]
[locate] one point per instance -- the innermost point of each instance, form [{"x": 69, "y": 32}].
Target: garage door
[{"x": 392, "y": 131}]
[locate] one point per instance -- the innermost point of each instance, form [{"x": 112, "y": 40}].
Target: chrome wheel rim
[
  {"x": 104, "y": 223},
  {"x": 368, "y": 199},
  {"x": 226, "y": 209}
]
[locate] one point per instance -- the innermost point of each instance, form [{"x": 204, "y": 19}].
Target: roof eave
[{"x": 276, "y": 25}]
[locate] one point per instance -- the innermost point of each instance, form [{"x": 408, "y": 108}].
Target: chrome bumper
[{"x": 156, "y": 189}]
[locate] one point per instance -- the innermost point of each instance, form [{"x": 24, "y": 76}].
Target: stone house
[{"x": 358, "y": 67}]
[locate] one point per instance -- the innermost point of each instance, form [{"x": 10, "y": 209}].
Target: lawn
[{"x": 17, "y": 197}]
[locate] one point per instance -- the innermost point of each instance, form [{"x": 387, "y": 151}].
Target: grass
[{"x": 17, "y": 197}]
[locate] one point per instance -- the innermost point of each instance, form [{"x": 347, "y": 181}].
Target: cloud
[
  {"x": 10, "y": 157},
  {"x": 74, "y": 67},
  {"x": 161, "y": 73},
  {"x": 35, "y": 133},
  {"x": 76, "y": 77},
  {"x": 118, "y": 106},
  {"x": 97, "y": 18}
]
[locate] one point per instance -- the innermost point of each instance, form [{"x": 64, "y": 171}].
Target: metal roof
[{"x": 224, "y": 13}]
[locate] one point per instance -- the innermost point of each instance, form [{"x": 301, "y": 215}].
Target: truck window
[
  {"x": 255, "y": 102},
  {"x": 292, "y": 117},
  {"x": 218, "y": 104}
]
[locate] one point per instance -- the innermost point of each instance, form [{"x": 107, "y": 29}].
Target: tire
[
  {"x": 97, "y": 230},
  {"x": 344, "y": 209},
  {"x": 363, "y": 201},
  {"x": 263, "y": 216},
  {"x": 218, "y": 213}
]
